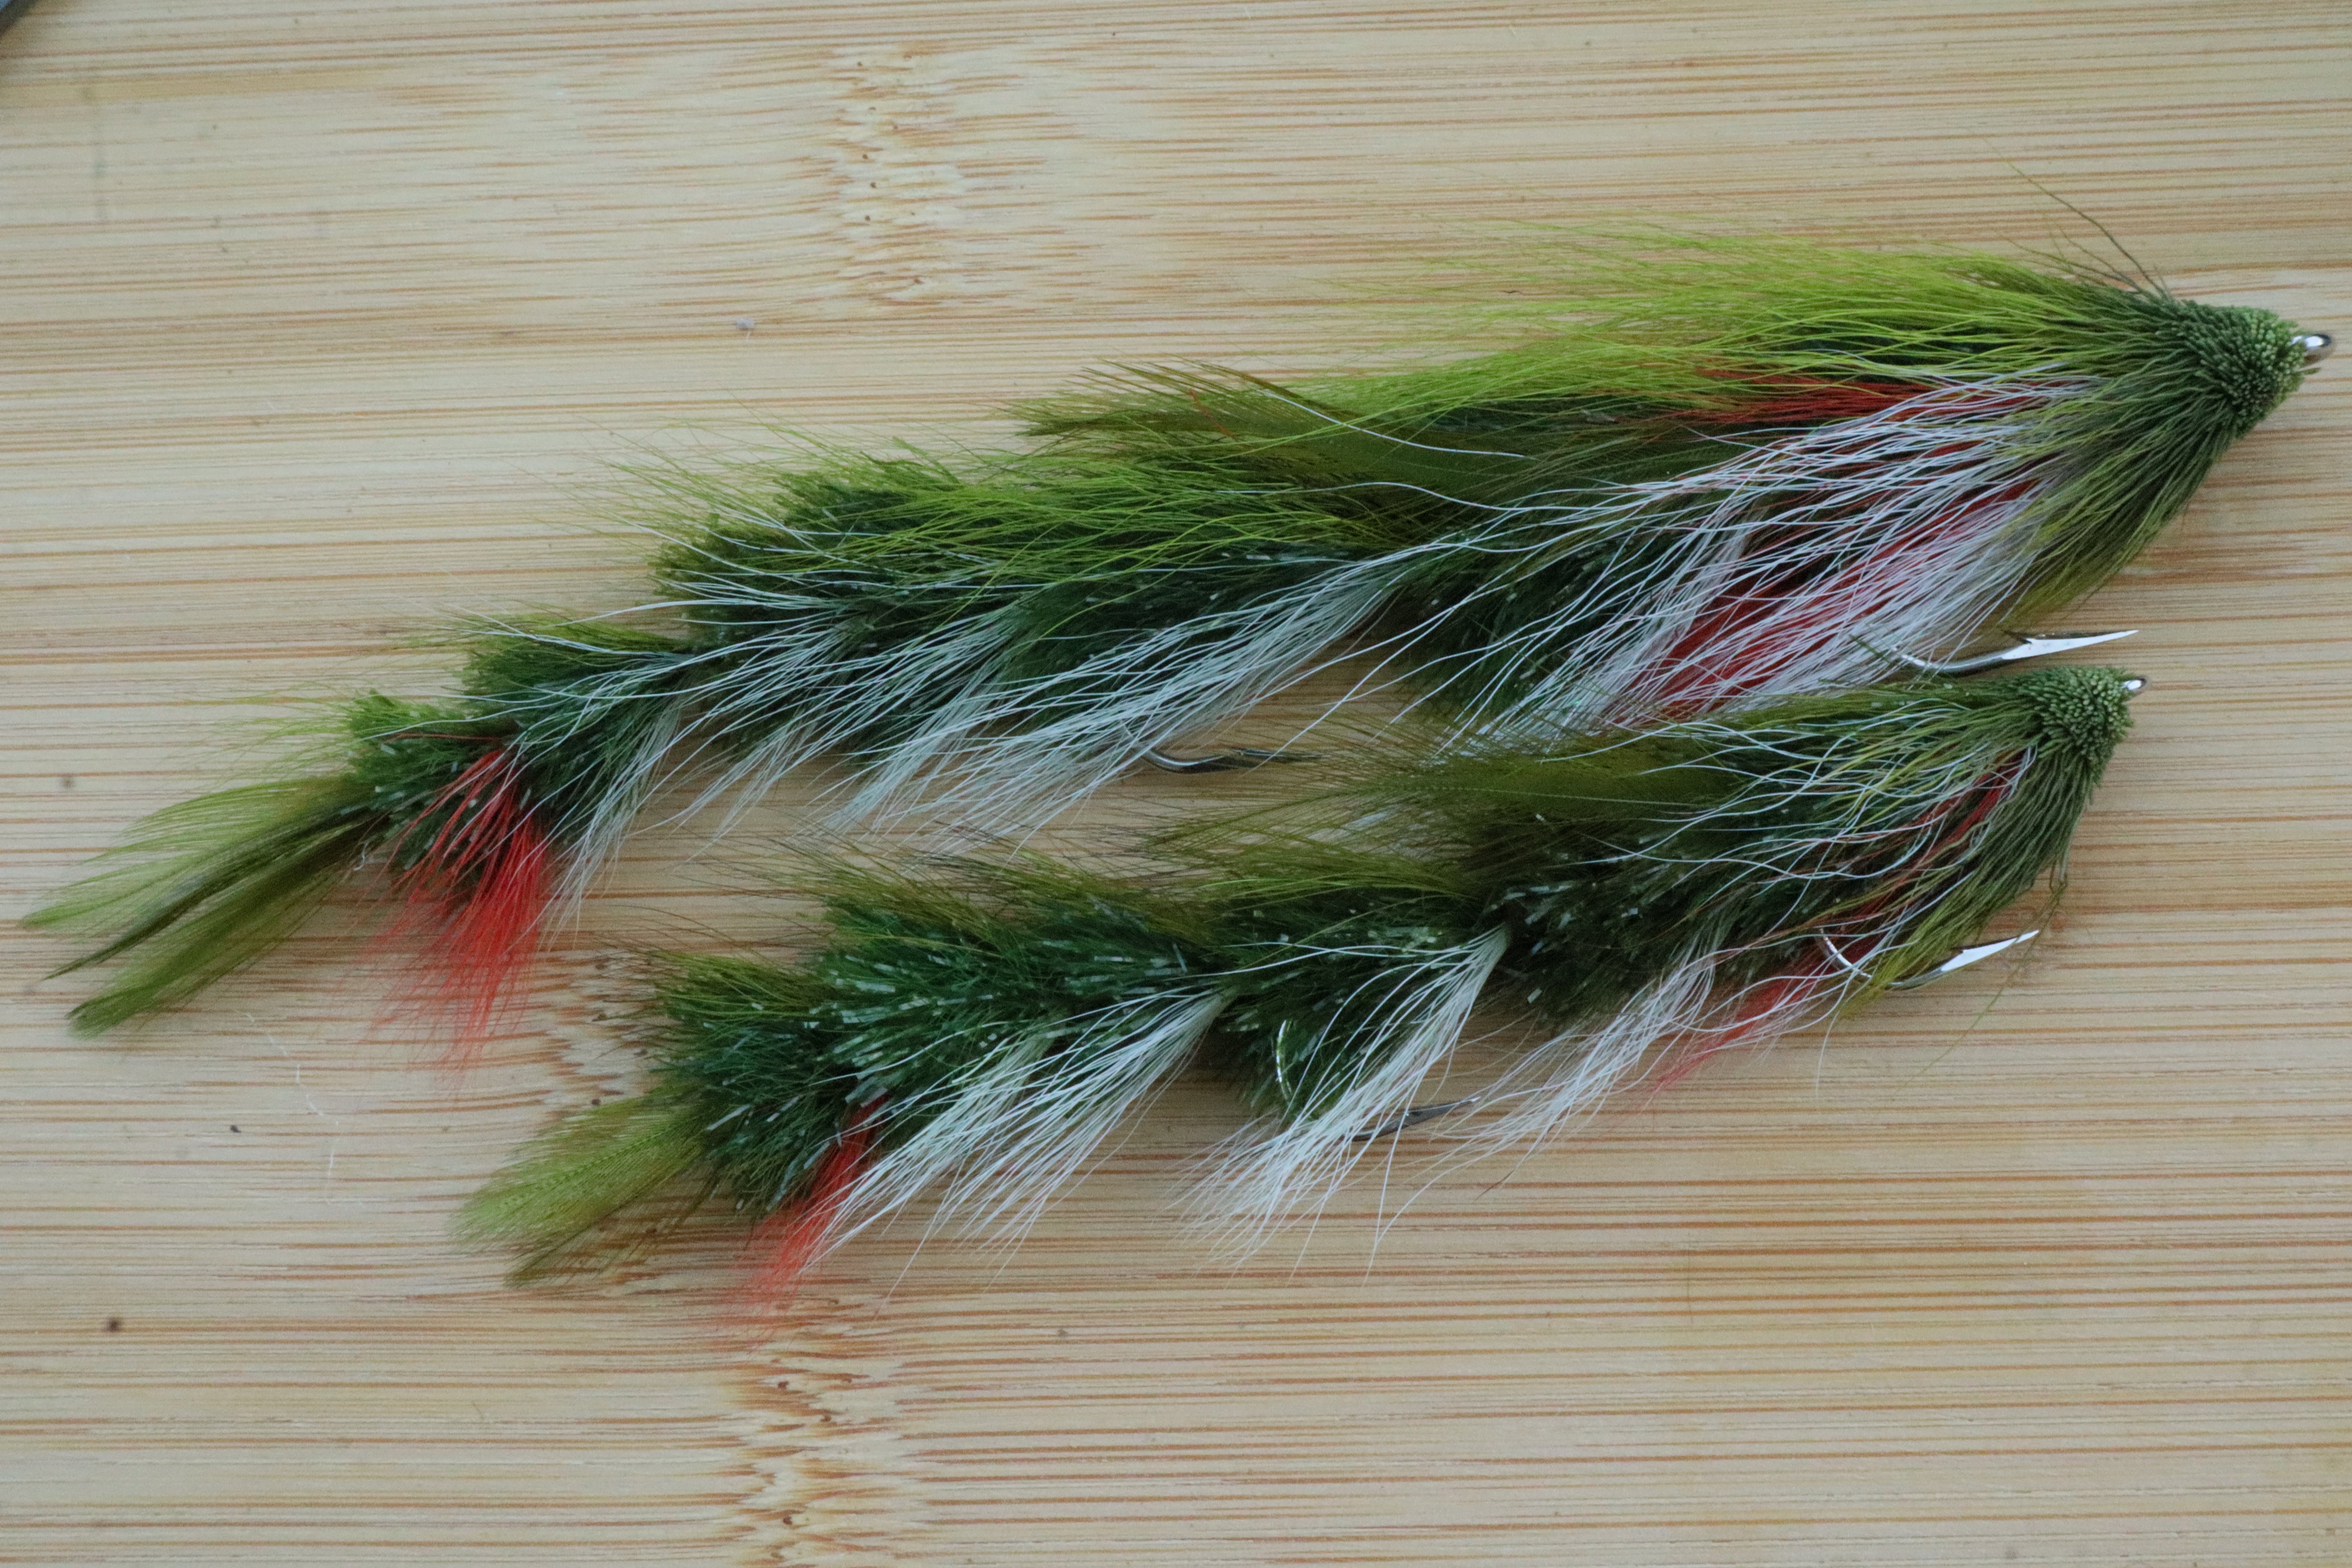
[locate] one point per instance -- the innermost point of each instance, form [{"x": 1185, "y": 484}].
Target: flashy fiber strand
[
  {"x": 1650, "y": 896},
  {"x": 1705, "y": 474}
]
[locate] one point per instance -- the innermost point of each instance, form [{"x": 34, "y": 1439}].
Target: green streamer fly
[
  {"x": 1705, "y": 474},
  {"x": 1648, "y": 895}
]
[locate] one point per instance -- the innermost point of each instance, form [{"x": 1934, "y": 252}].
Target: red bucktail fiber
[
  {"x": 1770, "y": 1005},
  {"x": 1795, "y": 400},
  {"x": 1981, "y": 803},
  {"x": 1761, "y": 1012},
  {"x": 797, "y": 1235},
  {"x": 1746, "y": 639},
  {"x": 481, "y": 889}
]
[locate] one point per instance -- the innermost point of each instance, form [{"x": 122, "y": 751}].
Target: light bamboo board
[{"x": 323, "y": 317}]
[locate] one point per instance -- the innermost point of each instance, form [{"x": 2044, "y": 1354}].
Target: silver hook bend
[
  {"x": 1390, "y": 1126},
  {"x": 2028, "y": 646},
  {"x": 1223, "y": 761}
]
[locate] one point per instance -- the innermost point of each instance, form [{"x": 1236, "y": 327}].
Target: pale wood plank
[{"x": 326, "y": 320}]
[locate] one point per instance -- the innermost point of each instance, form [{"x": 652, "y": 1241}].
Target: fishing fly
[
  {"x": 1647, "y": 896},
  {"x": 1703, "y": 475}
]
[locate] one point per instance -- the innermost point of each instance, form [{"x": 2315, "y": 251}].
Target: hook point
[{"x": 1965, "y": 957}]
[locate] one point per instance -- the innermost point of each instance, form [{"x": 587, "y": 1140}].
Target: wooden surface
[{"x": 327, "y": 320}]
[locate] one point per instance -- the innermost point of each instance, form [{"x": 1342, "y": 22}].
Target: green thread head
[
  {"x": 2238, "y": 361},
  {"x": 2082, "y": 710}
]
